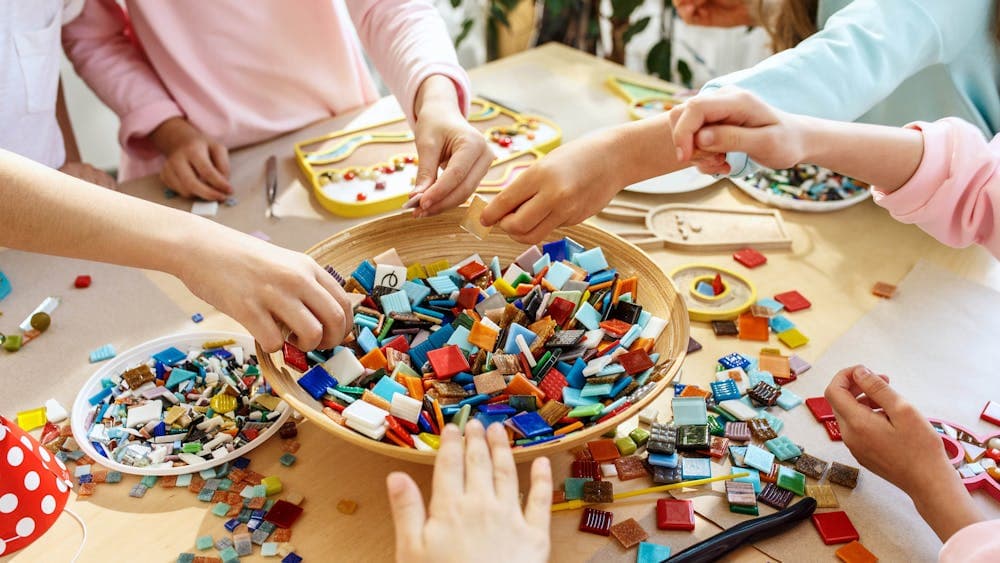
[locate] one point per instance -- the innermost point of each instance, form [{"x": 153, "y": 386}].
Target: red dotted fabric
[{"x": 34, "y": 487}]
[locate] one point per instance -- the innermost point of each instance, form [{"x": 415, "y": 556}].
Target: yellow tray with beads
[
  {"x": 644, "y": 100},
  {"x": 371, "y": 170}
]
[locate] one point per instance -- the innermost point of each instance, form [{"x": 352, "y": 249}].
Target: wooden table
[{"x": 834, "y": 261}]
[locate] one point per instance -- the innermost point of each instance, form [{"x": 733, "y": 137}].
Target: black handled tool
[{"x": 746, "y": 532}]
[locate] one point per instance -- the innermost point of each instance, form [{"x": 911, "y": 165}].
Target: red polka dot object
[{"x": 33, "y": 490}]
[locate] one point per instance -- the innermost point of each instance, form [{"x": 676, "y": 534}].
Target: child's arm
[
  {"x": 74, "y": 165},
  {"x": 941, "y": 176},
  {"x": 258, "y": 284},
  {"x": 881, "y": 440},
  {"x": 576, "y": 180},
  {"x": 108, "y": 59},
  {"x": 474, "y": 491},
  {"x": 411, "y": 48}
]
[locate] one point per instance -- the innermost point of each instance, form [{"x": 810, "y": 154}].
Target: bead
[
  {"x": 350, "y": 175},
  {"x": 41, "y": 321},
  {"x": 361, "y": 196},
  {"x": 380, "y": 185}
]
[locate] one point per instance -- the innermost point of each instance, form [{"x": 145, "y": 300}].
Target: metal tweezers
[{"x": 271, "y": 188}]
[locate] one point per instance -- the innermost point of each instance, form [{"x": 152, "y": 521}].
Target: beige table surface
[{"x": 834, "y": 261}]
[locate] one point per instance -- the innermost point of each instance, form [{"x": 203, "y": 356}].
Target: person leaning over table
[
  {"x": 192, "y": 79},
  {"x": 883, "y": 61},
  {"x": 34, "y": 121},
  {"x": 258, "y": 284}
]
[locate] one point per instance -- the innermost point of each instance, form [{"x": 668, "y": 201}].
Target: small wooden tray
[{"x": 701, "y": 227}]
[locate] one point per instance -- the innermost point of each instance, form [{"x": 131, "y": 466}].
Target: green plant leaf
[
  {"x": 497, "y": 14},
  {"x": 684, "y": 72},
  {"x": 466, "y": 28},
  {"x": 621, "y": 10},
  {"x": 658, "y": 59},
  {"x": 635, "y": 28}
]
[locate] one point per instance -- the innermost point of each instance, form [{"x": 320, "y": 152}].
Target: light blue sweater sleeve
[{"x": 862, "y": 54}]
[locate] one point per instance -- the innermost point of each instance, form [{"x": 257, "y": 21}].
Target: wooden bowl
[{"x": 436, "y": 238}]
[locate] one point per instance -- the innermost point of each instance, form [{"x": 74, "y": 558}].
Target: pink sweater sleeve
[
  {"x": 408, "y": 42},
  {"x": 105, "y": 55},
  {"x": 977, "y": 543},
  {"x": 955, "y": 193}
]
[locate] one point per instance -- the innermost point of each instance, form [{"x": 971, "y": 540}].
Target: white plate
[
  {"x": 681, "y": 181},
  {"x": 139, "y": 354},
  {"x": 799, "y": 204}
]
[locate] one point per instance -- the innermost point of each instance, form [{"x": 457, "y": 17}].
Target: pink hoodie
[
  {"x": 245, "y": 71},
  {"x": 955, "y": 193}
]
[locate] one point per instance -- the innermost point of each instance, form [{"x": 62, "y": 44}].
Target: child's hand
[
  {"x": 445, "y": 139},
  {"x": 474, "y": 509},
  {"x": 887, "y": 442},
  {"x": 569, "y": 185},
  {"x": 734, "y": 120},
  {"x": 715, "y": 13},
  {"x": 195, "y": 166},
  {"x": 266, "y": 288},
  {"x": 88, "y": 173}
]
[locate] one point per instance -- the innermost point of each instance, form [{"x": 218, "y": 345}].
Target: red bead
[
  {"x": 362, "y": 197},
  {"x": 387, "y": 170},
  {"x": 409, "y": 159},
  {"x": 993, "y": 454},
  {"x": 82, "y": 282},
  {"x": 350, "y": 175},
  {"x": 380, "y": 185},
  {"x": 505, "y": 142}
]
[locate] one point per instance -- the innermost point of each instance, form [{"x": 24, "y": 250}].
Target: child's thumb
[{"x": 725, "y": 138}]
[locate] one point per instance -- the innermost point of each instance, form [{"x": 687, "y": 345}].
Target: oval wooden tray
[{"x": 436, "y": 238}]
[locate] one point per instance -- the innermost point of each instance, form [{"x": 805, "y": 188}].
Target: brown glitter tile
[
  {"x": 775, "y": 497},
  {"x": 553, "y": 411},
  {"x": 102, "y": 477},
  {"x": 489, "y": 382},
  {"x": 630, "y": 467},
  {"x": 740, "y": 493},
  {"x": 824, "y": 495},
  {"x": 85, "y": 490},
  {"x": 604, "y": 449},
  {"x": 629, "y": 533},
  {"x": 761, "y": 429},
  {"x": 718, "y": 447},
  {"x": 843, "y": 475},
  {"x": 725, "y": 328},
  {"x": 281, "y": 535},
  {"x": 738, "y": 431},
  {"x": 811, "y": 466},
  {"x": 256, "y": 503},
  {"x": 764, "y": 394},
  {"x": 598, "y": 491},
  {"x": 884, "y": 290}
]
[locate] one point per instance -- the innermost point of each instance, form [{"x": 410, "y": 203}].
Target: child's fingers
[
  {"x": 189, "y": 182},
  {"x": 408, "y": 514},
  {"x": 337, "y": 292},
  {"x": 263, "y": 328},
  {"x": 478, "y": 466},
  {"x": 504, "y": 470},
  {"x": 844, "y": 401},
  {"x": 449, "y": 471},
  {"x": 537, "y": 511},
  {"x": 526, "y": 218},
  {"x": 220, "y": 158},
  {"x": 307, "y": 331},
  {"x": 455, "y": 168},
  {"x": 549, "y": 223},
  {"x": 879, "y": 391},
  {"x": 428, "y": 160},
  {"x": 511, "y": 198},
  {"x": 459, "y": 194},
  {"x": 202, "y": 163},
  {"x": 329, "y": 312}
]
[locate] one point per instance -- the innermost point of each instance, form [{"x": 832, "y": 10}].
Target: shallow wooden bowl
[{"x": 436, "y": 238}]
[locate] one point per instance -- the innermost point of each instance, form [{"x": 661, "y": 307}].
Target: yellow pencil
[{"x": 574, "y": 504}]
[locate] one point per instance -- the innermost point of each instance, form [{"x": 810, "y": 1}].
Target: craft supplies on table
[
  {"x": 700, "y": 227},
  {"x": 460, "y": 388},
  {"x": 372, "y": 169},
  {"x": 177, "y": 404},
  {"x": 806, "y": 187}
]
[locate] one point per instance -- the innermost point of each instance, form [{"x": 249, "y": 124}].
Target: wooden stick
[{"x": 575, "y": 504}]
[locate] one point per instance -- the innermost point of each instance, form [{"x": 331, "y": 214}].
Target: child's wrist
[
  {"x": 435, "y": 94},
  {"x": 171, "y": 133}
]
